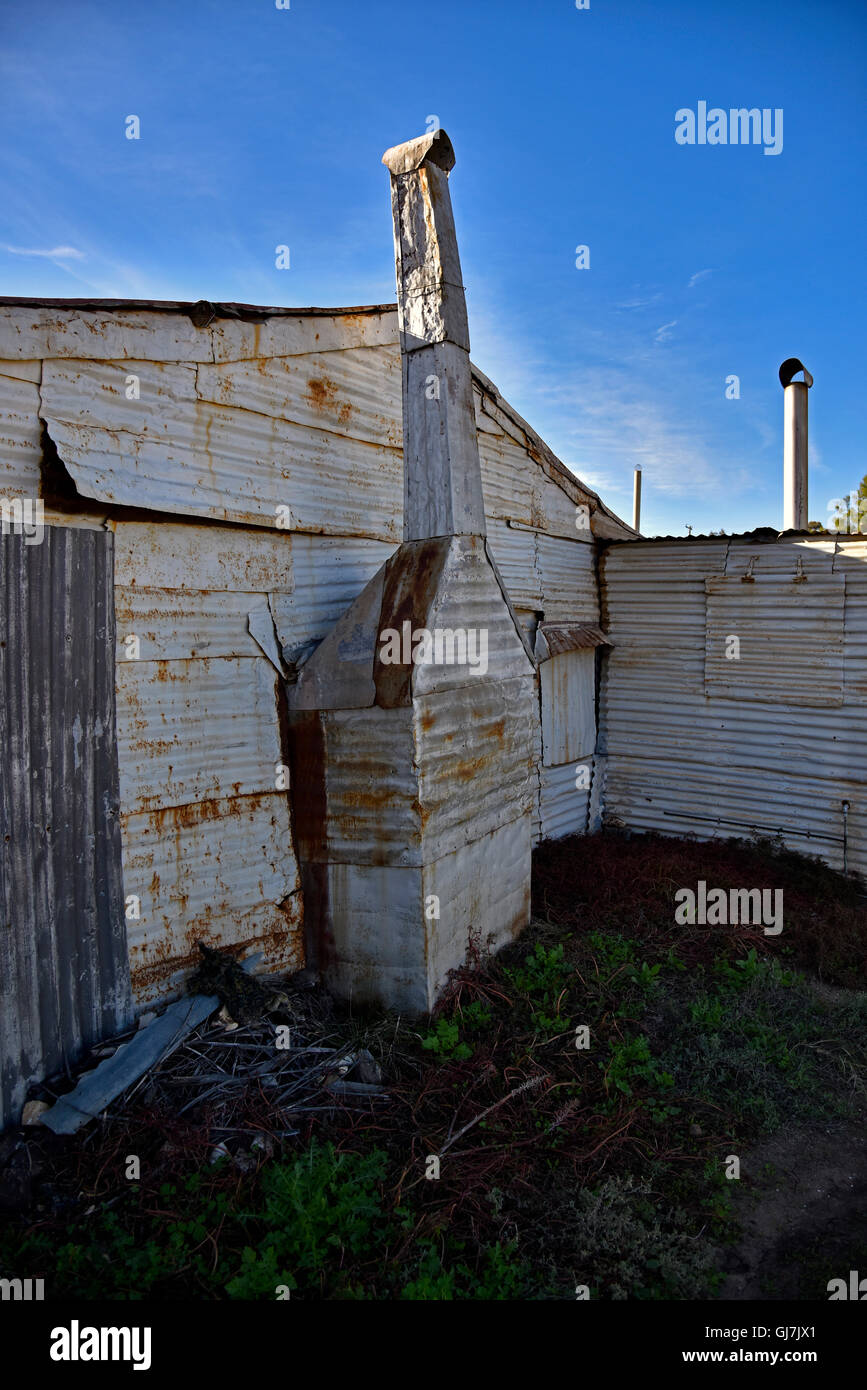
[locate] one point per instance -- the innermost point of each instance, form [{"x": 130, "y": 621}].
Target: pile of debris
[{"x": 232, "y": 1035}]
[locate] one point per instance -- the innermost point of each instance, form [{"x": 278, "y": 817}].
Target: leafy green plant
[
  {"x": 315, "y": 1211},
  {"x": 542, "y": 974},
  {"x": 631, "y": 1064},
  {"x": 444, "y": 1041}
]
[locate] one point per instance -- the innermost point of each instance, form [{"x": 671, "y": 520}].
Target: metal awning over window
[{"x": 553, "y": 639}]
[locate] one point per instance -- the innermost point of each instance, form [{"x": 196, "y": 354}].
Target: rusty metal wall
[
  {"x": 782, "y": 744},
  {"x": 207, "y": 835},
  {"x": 64, "y": 971},
  {"x": 227, "y": 422}
]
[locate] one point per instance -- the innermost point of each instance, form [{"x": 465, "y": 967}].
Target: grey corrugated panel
[
  {"x": 195, "y": 730},
  {"x": 223, "y": 872},
  {"x": 789, "y": 635},
  {"x": 514, "y": 553},
  {"x": 567, "y": 570},
  {"x": 64, "y": 970},
  {"x": 684, "y": 761},
  {"x": 563, "y": 805},
  {"x": 328, "y": 574},
  {"x": 677, "y": 799}
]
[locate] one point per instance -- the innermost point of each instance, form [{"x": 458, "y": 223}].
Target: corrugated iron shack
[
  {"x": 211, "y": 514},
  {"x": 219, "y": 483}
]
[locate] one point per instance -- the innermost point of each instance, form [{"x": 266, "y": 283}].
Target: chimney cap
[
  {"x": 790, "y": 368},
  {"x": 435, "y": 148}
]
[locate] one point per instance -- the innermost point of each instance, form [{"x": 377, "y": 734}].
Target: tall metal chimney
[
  {"x": 794, "y": 444},
  {"x": 442, "y": 475},
  {"x": 413, "y": 766},
  {"x": 636, "y": 500}
]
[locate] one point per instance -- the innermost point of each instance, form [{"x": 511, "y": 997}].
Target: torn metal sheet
[
  {"x": 260, "y": 622},
  {"x": 98, "y": 1088},
  {"x": 170, "y": 451}
]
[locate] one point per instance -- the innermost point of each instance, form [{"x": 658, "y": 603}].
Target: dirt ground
[{"x": 804, "y": 1219}]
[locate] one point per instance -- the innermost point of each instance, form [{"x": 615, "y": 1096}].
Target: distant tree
[
  {"x": 815, "y": 526},
  {"x": 851, "y": 510}
]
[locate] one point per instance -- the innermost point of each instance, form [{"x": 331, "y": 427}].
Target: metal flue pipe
[
  {"x": 636, "y": 500},
  {"x": 795, "y": 449}
]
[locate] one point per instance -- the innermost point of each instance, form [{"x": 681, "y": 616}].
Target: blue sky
[{"x": 262, "y": 127}]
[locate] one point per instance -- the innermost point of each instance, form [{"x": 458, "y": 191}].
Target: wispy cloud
[
  {"x": 606, "y": 421},
  {"x": 699, "y": 275},
  {"x": 639, "y": 302},
  {"x": 56, "y": 253},
  {"x": 664, "y": 333}
]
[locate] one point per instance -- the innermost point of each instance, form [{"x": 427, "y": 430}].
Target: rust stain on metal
[
  {"x": 307, "y": 782},
  {"x": 322, "y": 393},
  {"x": 168, "y": 958},
  {"x": 411, "y": 580}
]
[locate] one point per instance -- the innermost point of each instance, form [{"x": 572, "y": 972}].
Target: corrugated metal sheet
[
  {"x": 514, "y": 553},
  {"x": 64, "y": 974},
  {"x": 207, "y": 844},
  {"x": 568, "y": 684},
  {"x": 567, "y": 570},
  {"x": 223, "y": 872},
  {"x": 685, "y": 761},
  {"x": 207, "y": 624},
  {"x": 359, "y": 395},
  {"x": 20, "y": 435},
  {"x": 563, "y": 806},
  {"x": 474, "y": 754},
  {"x": 548, "y": 574},
  {"x": 114, "y": 330},
  {"x": 328, "y": 573},
  {"x": 788, "y": 636},
  {"x": 195, "y": 730},
  {"x": 171, "y": 451},
  {"x": 184, "y": 557}
]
